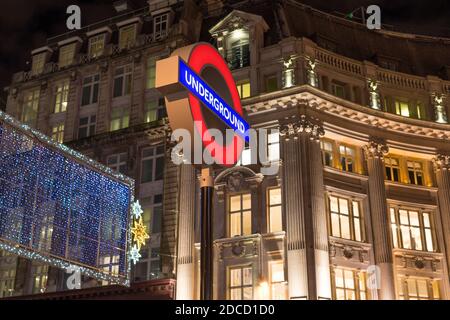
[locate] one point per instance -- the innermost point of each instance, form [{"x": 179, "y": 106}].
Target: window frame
[
  {"x": 67, "y": 55},
  {"x": 398, "y": 241},
  {"x": 154, "y": 158},
  {"x": 130, "y": 31},
  {"x": 160, "y": 32},
  {"x": 276, "y": 205},
  {"x": 352, "y": 219},
  {"x": 93, "y": 83},
  {"x": 121, "y": 162},
  {"x": 358, "y": 278},
  {"x": 61, "y": 96},
  {"x": 58, "y": 132},
  {"x": 126, "y": 77},
  {"x": 240, "y": 214},
  {"x": 242, "y": 285},
  {"x": 96, "y": 45},
  {"x": 90, "y": 126}
]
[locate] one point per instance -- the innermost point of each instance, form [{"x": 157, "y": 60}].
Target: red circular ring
[{"x": 202, "y": 55}]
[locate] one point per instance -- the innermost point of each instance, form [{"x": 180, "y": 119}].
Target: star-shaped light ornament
[
  {"x": 134, "y": 254},
  {"x": 136, "y": 210},
  {"x": 139, "y": 232}
]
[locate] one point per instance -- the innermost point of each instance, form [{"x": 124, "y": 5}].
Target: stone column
[
  {"x": 185, "y": 256},
  {"x": 306, "y": 220},
  {"x": 374, "y": 153},
  {"x": 442, "y": 169}
]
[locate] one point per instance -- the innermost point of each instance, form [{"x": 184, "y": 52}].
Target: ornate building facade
[{"x": 363, "y": 185}]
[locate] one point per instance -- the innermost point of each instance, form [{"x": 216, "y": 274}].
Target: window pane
[
  {"x": 147, "y": 168},
  {"x": 357, "y": 225},
  {"x": 235, "y": 225},
  {"x": 334, "y": 204},
  {"x": 275, "y": 219},
  {"x": 345, "y": 227},
  {"x": 235, "y": 294},
  {"x": 235, "y": 277},
  {"x": 159, "y": 170},
  {"x": 247, "y": 222},
  {"x": 247, "y": 276},
  {"x": 246, "y": 201},
  {"x": 335, "y": 225},
  {"x": 235, "y": 203},
  {"x": 429, "y": 240},
  {"x": 343, "y": 206},
  {"x": 275, "y": 196}
]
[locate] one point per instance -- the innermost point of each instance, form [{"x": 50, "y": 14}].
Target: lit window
[
  {"x": 246, "y": 157},
  {"x": 109, "y": 263},
  {"x": 243, "y": 88},
  {"x": 347, "y": 157},
  {"x": 160, "y": 25},
  {"x": 392, "y": 166},
  {"x": 155, "y": 110},
  {"x": 58, "y": 133},
  {"x": 240, "y": 215},
  {"x": 120, "y": 118},
  {"x": 127, "y": 36},
  {"x": 412, "y": 229},
  {"x": 62, "y": 96},
  {"x": 274, "y": 208},
  {"x": 117, "y": 162},
  {"x": 38, "y": 63},
  {"x": 273, "y": 146},
  {"x": 346, "y": 220},
  {"x": 90, "y": 90},
  {"x": 277, "y": 280},
  {"x": 151, "y": 72},
  {"x": 402, "y": 108},
  {"x": 415, "y": 172},
  {"x": 239, "y": 55},
  {"x": 338, "y": 90},
  {"x": 418, "y": 288},
  {"x": 240, "y": 283},
  {"x": 45, "y": 232},
  {"x": 152, "y": 164},
  {"x": 66, "y": 55},
  {"x": 271, "y": 83},
  {"x": 327, "y": 152},
  {"x": 122, "y": 81},
  {"x": 349, "y": 284},
  {"x": 148, "y": 266},
  {"x": 7, "y": 276},
  {"x": 86, "y": 126},
  {"x": 96, "y": 45},
  {"x": 40, "y": 276},
  {"x": 30, "y": 107}
]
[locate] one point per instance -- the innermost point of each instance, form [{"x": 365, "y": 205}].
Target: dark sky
[{"x": 25, "y": 24}]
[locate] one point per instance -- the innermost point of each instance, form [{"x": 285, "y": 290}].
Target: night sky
[{"x": 26, "y": 24}]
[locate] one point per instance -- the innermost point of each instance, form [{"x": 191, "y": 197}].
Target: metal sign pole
[{"x": 206, "y": 252}]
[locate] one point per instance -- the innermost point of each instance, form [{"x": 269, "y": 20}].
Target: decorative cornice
[
  {"x": 338, "y": 108},
  {"x": 305, "y": 124},
  {"x": 441, "y": 162},
  {"x": 375, "y": 149}
]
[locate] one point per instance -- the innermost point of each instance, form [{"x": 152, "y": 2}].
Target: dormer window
[
  {"x": 66, "y": 55},
  {"x": 160, "y": 25},
  {"x": 96, "y": 45},
  {"x": 38, "y": 63},
  {"x": 127, "y": 36}
]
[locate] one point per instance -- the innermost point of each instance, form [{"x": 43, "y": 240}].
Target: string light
[{"x": 61, "y": 208}]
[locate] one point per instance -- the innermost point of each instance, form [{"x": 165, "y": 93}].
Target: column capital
[
  {"x": 441, "y": 162},
  {"x": 294, "y": 126},
  {"x": 376, "y": 148}
]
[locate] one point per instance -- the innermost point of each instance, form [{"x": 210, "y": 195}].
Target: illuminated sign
[
  {"x": 201, "y": 95},
  {"x": 212, "y": 100},
  {"x": 61, "y": 208}
]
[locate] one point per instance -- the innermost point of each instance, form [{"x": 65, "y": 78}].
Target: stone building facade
[{"x": 360, "y": 205}]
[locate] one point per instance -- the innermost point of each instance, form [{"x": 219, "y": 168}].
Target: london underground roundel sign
[{"x": 201, "y": 95}]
